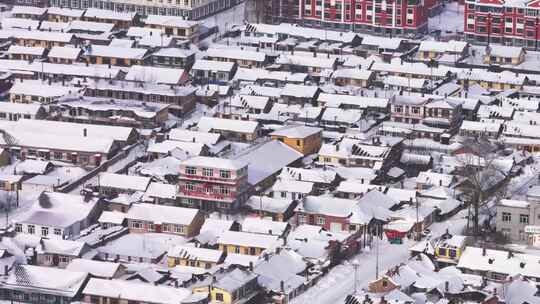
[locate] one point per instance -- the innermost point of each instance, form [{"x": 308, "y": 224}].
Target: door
[{"x": 335, "y": 227}]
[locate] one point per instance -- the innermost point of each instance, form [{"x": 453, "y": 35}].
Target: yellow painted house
[
  {"x": 245, "y": 243},
  {"x": 194, "y": 257},
  {"x": 237, "y": 286},
  {"x": 304, "y": 139},
  {"x": 504, "y": 55},
  {"x": 449, "y": 249}
]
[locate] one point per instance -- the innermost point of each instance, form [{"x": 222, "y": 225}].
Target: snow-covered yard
[{"x": 450, "y": 21}]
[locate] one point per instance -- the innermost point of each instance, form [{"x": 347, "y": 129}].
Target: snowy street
[{"x": 339, "y": 282}]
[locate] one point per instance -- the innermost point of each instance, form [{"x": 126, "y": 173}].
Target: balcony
[
  {"x": 208, "y": 195},
  {"x": 212, "y": 179}
]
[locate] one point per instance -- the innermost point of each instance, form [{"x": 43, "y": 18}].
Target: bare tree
[{"x": 485, "y": 178}]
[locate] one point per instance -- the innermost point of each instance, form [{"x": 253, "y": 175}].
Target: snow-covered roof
[
  {"x": 299, "y": 91},
  {"x": 139, "y": 32},
  {"x": 58, "y": 210},
  {"x": 382, "y": 42},
  {"x": 92, "y": 71},
  {"x": 480, "y": 126},
  {"x": 120, "y": 181},
  {"x": 196, "y": 136},
  {"x": 248, "y": 239},
  {"x": 339, "y": 115},
  {"x": 169, "y": 21},
  {"x": 281, "y": 270},
  {"x": 269, "y": 204},
  {"x": 174, "y": 52},
  {"x": 451, "y": 46},
  {"x": 504, "y": 51},
  {"x": 164, "y": 147},
  {"x": 498, "y": 261},
  {"x": 162, "y": 214},
  {"x": 207, "y": 123},
  {"x": 435, "y": 178},
  {"x": 64, "y": 52},
  {"x": 264, "y": 226},
  {"x": 267, "y": 159},
  {"x": 292, "y": 186},
  {"x": 19, "y": 24},
  {"x": 109, "y": 14},
  {"x": 255, "y": 74},
  {"x": 160, "y": 190},
  {"x": 113, "y": 217},
  {"x": 353, "y": 73},
  {"x": 26, "y": 50},
  {"x": 46, "y": 280},
  {"x": 19, "y": 108},
  {"x": 95, "y": 268},
  {"x": 320, "y": 61},
  {"x": 236, "y": 54},
  {"x": 214, "y": 162},
  {"x": 195, "y": 253},
  {"x": 210, "y": 65},
  {"x": 61, "y": 247},
  {"x": 116, "y": 52},
  {"x": 38, "y": 88},
  {"x": 135, "y": 291},
  {"x": 296, "y": 132},
  {"x": 77, "y": 26},
  {"x": 514, "y": 203},
  {"x": 28, "y": 10},
  {"x": 64, "y": 11},
  {"x": 304, "y": 32}
]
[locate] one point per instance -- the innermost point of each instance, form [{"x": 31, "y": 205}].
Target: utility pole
[
  {"x": 377, "y": 253},
  {"x": 355, "y": 265}
]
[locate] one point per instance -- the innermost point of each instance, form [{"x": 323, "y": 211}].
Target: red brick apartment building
[
  {"x": 513, "y": 23},
  {"x": 396, "y": 17}
]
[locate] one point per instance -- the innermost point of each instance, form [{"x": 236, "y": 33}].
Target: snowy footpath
[{"x": 339, "y": 282}]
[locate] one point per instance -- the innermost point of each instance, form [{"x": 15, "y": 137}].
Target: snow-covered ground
[
  {"x": 227, "y": 18},
  {"x": 339, "y": 282},
  {"x": 450, "y": 21}
]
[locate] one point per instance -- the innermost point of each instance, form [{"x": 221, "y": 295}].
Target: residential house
[
  {"x": 300, "y": 94},
  {"x": 408, "y": 109},
  {"x": 276, "y": 208},
  {"x": 243, "y": 58},
  {"x": 356, "y": 77},
  {"x": 194, "y": 257},
  {"x": 442, "y": 114},
  {"x": 291, "y": 189},
  {"x": 143, "y": 218},
  {"x": 116, "y": 56},
  {"x": 213, "y": 183},
  {"x": 63, "y": 14},
  {"x": 58, "y": 215},
  {"x": 236, "y": 130},
  {"x": 480, "y": 129},
  {"x": 97, "y": 269},
  {"x": 513, "y": 216},
  {"x": 14, "y": 111},
  {"x": 442, "y": 50},
  {"x": 122, "y": 19},
  {"x": 64, "y": 54},
  {"x": 504, "y": 55},
  {"x": 29, "y": 53},
  {"x": 306, "y": 140},
  {"x": 59, "y": 253},
  {"x": 449, "y": 248},
  {"x": 234, "y": 287},
  {"x": 112, "y": 184},
  {"x": 174, "y": 26},
  {"x": 208, "y": 71},
  {"x": 43, "y": 284},
  {"x": 245, "y": 243},
  {"x": 173, "y": 57}
]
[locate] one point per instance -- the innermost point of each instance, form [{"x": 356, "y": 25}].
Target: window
[
  {"x": 58, "y": 155},
  {"x": 225, "y": 174},
  {"x": 18, "y": 228},
  {"x": 179, "y": 229},
  {"x": 524, "y": 218},
  {"x": 57, "y": 231},
  {"x": 190, "y": 187},
  {"x": 322, "y": 220},
  {"x": 31, "y": 229},
  {"x": 219, "y": 296},
  {"x": 506, "y": 217},
  {"x": 207, "y": 172},
  {"x": 236, "y": 249},
  {"x": 44, "y": 231},
  {"x": 301, "y": 219},
  {"x": 191, "y": 171},
  {"x": 137, "y": 224}
]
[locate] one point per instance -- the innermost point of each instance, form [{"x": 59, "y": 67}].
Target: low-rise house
[
  {"x": 34, "y": 91},
  {"x": 58, "y": 215},
  {"x": 239, "y": 130},
  {"x": 355, "y": 153},
  {"x": 358, "y": 102},
  {"x": 245, "y": 243},
  {"x": 173, "y": 57},
  {"x": 353, "y": 77},
  {"x": 492, "y": 81},
  {"x": 59, "y": 253},
  {"x": 174, "y": 26},
  {"x": 408, "y": 109},
  {"x": 243, "y": 58},
  {"x": 97, "y": 269},
  {"x": 398, "y": 83},
  {"x": 34, "y": 284},
  {"x": 194, "y": 257},
  {"x": 64, "y": 54},
  {"x": 112, "y": 184},
  {"x": 300, "y": 94},
  {"x": 234, "y": 287},
  {"x": 449, "y": 248},
  {"x": 209, "y": 71},
  {"x": 122, "y": 19},
  {"x": 437, "y": 49},
  {"x": 306, "y": 140},
  {"x": 480, "y": 129},
  {"x": 29, "y": 53},
  {"x": 117, "y": 56},
  {"x": 504, "y": 55},
  {"x": 138, "y": 248},
  {"x": 429, "y": 179},
  {"x": 265, "y": 226},
  {"x": 442, "y": 114},
  {"x": 312, "y": 64},
  {"x": 15, "y": 111},
  {"x": 513, "y": 216},
  {"x": 498, "y": 265},
  {"x": 340, "y": 119},
  {"x": 322, "y": 179},
  {"x": 164, "y": 219},
  {"x": 278, "y": 209},
  {"x": 63, "y": 14},
  {"x": 291, "y": 189},
  {"x": 43, "y": 39},
  {"x": 167, "y": 147},
  {"x": 161, "y": 194},
  {"x": 103, "y": 291},
  {"x": 28, "y": 12}
]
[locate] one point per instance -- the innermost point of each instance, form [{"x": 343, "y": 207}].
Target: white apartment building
[{"x": 190, "y": 9}]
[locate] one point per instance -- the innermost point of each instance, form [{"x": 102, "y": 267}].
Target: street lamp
[{"x": 355, "y": 265}]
